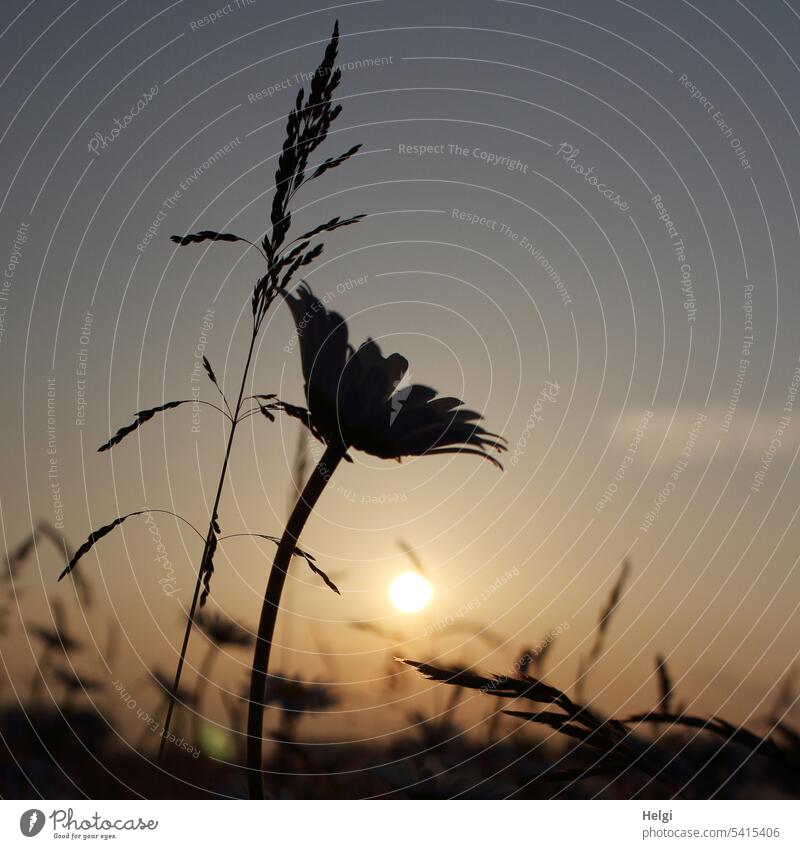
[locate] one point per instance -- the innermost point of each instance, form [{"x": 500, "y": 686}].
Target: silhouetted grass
[
  {"x": 666, "y": 690},
  {"x": 56, "y": 642},
  {"x": 222, "y": 633},
  {"x": 610, "y": 746},
  {"x": 603, "y": 624},
  {"x": 18, "y": 556},
  {"x": 307, "y": 128}
]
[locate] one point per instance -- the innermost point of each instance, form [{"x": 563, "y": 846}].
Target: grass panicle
[
  {"x": 56, "y": 637},
  {"x": 617, "y": 747},
  {"x": 414, "y": 558},
  {"x": 666, "y": 689},
  {"x": 394, "y": 637},
  {"x": 603, "y": 624},
  {"x": 204, "y": 236},
  {"x": 95, "y": 536},
  {"x": 46, "y": 530},
  {"x": 144, "y": 416},
  {"x": 307, "y": 127}
]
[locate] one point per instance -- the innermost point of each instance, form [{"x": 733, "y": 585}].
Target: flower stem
[
  {"x": 269, "y": 612},
  {"x": 209, "y": 537}
]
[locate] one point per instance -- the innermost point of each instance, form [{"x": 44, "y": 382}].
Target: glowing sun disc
[{"x": 410, "y": 592}]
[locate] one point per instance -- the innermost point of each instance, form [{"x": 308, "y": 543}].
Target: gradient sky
[{"x": 714, "y": 585}]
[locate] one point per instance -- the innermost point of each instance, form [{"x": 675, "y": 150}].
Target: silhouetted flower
[
  {"x": 57, "y": 637},
  {"x": 296, "y": 696},
  {"x": 352, "y": 398},
  {"x": 223, "y": 631},
  {"x": 74, "y": 684},
  {"x": 163, "y": 683},
  {"x": 352, "y": 402}
]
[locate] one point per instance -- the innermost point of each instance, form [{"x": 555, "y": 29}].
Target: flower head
[
  {"x": 163, "y": 683},
  {"x": 75, "y": 684},
  {"x": 223, "y": 631},
  {"x": 296, "y": 696},
  {"x": 56, "y": 637},
  {"x": 353, "y": 399}
]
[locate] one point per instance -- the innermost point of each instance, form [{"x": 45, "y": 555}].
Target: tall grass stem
[{"x": 209, "y": 537}]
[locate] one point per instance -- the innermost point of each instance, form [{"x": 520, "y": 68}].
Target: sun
[{"x": 410, "y": 592}]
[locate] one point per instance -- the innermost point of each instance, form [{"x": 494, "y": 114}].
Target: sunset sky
[{"x": 580, "y": 220}]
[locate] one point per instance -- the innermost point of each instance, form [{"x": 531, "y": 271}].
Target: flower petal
[{"x": 323, "y": 351}]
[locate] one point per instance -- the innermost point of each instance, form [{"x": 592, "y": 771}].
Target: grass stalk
[{"x": 207, "y": 547}]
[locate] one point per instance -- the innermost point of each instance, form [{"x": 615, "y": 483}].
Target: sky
[{"x": 580, "y": 219}]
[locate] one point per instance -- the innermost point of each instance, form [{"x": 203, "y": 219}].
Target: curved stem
[
  {"x": 169, "y": 513},
  {"x": 207, "y": 404},
  {"x": 269, "y": 612},
  {"x": 206, "y": 548},
  {"x": 256, "y": 247}
]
